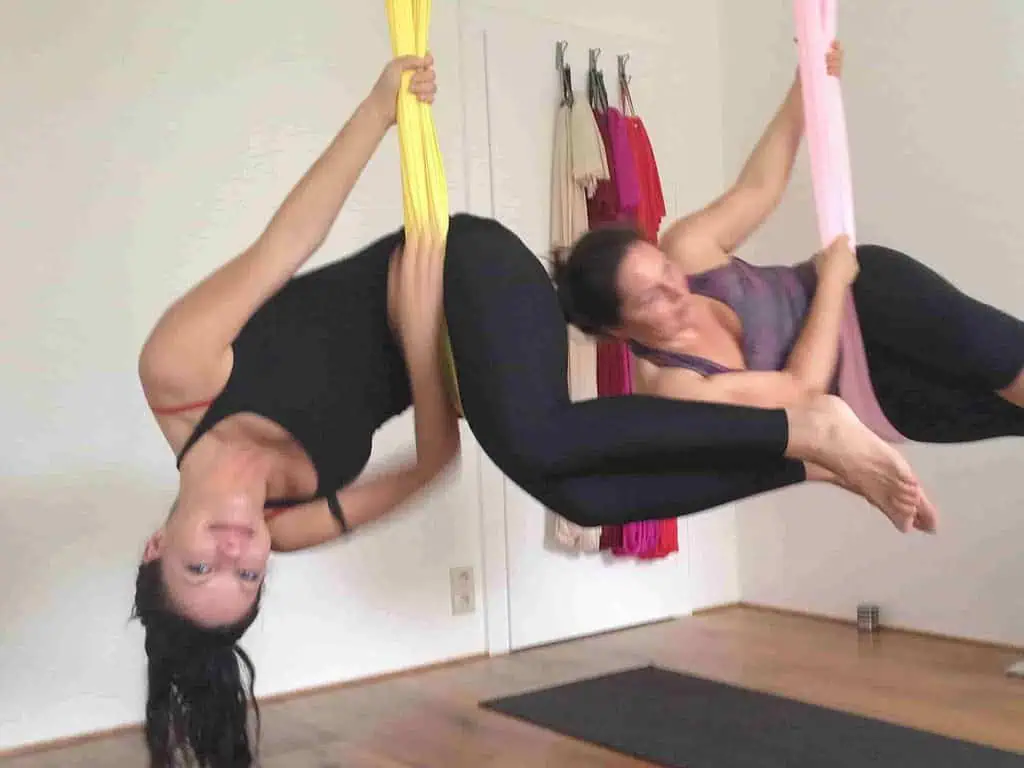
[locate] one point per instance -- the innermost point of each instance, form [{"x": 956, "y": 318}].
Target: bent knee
[{"x": 577, "y": 503}]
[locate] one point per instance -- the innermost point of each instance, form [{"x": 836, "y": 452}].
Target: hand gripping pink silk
[{"x": 828, "y": 146}]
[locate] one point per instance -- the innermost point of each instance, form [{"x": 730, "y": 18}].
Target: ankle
[{"x": 809, "y": 428}]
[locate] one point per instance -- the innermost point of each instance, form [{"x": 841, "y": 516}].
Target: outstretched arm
[
  {"x": 729, "y": 220},
  {"x": 763, "y": 179},
  {"x": 188, "y": 354}
]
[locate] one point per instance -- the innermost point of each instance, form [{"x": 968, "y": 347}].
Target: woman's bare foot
[
  {"x": 925, "y": 520},
  {"x": 831, "y": 435}
]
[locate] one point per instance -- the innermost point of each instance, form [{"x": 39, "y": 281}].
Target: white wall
[
  {"x": 935, "y": 98},
  {"x": 142, "y": 145}
]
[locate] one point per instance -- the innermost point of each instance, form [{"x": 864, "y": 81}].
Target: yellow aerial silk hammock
[{"x": 424, "y": 187}]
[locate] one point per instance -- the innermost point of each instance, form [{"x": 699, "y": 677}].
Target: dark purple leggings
[{"x": 936, "y": 356}]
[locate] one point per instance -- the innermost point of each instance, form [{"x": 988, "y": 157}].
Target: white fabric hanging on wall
[{"x": 579, "y": 162}]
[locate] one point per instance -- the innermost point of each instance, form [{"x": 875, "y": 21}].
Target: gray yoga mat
[{"x": 680, "y": 721}]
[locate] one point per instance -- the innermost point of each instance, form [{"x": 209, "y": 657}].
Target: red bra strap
[{"x": 181, "y": 408}]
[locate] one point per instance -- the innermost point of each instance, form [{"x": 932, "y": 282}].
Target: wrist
[
  {"x": 376, "y": 113},
  {"x": 423, "y": 357},
  {"x": 830, "y": 279},
  {"x": 837, "y": 282}
]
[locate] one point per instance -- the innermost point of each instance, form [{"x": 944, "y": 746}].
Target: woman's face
[
  {"x": 214, "y": 546},
  {"x": 655, "y": 300}
]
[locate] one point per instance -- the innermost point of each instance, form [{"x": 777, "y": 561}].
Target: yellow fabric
[{"x": 424, "y": 186}]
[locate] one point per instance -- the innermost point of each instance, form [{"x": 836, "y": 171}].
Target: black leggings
[
  {"x": 935, "y": 355},
  {"x": 621, "y": 459},
  {"x": 604, "y": 461}
]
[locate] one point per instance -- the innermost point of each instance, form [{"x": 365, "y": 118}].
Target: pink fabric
[
  {"x": 627, "y": 180},
  {"x": 635, "y": 187},
  {"x": 639, "y": 539},
  {"x": 614, "y": 367},
  {"x": 640, "y": 202},
  {"x": 828, "y": 146}
]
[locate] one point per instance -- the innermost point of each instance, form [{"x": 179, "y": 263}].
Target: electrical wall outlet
[{"x": 463, "y": 590}]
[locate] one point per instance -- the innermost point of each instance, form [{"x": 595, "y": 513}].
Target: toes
[
  {"x": 904, "y": 511},
  {"x": 927, "y": 518}
]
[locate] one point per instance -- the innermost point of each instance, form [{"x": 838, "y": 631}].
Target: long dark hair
[
  {"x": 197, "y": 700},
  {"x": 586, "y": 277}
]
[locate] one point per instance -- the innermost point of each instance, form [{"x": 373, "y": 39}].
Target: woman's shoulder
[
  {"x": 694, "y": 250},
  {"x": 178, "y": 400}
]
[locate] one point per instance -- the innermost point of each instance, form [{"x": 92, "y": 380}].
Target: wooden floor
[{"x": 432, "y": 718}]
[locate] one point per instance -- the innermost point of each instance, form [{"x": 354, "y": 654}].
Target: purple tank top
[{"x": 772, "y": 304}]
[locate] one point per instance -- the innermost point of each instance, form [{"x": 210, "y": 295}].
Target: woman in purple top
[{"x": 705, "y": 325}]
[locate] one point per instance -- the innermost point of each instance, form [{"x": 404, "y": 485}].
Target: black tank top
[{"x": 319, "y": 359}]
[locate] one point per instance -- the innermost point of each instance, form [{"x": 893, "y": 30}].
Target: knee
[
  {"x": 472, "y": 236},
  {"x": 526, "y": 451},
  {"x": 581, "y": 516},
  {"x": 467, "y": 229},
  {"x": 868, "y": 255},
  {"x": 577, "y": 504},
  {"x": 521, "y": 452}
]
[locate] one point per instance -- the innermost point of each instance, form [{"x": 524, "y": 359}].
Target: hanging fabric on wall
[
  {"x": 612, "y": 202},
  {"x": 589, "y": 167},
  {"x": 603, "y": 208},
  {"x": 568, "y": 199},
  {"x": 642, "y": 203},
  {"x": 579, "y": 164},
  {"x": 658, "y": 538},
  {"x": 651, "y": 210}
]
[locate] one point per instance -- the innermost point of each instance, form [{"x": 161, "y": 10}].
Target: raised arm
[
  {"x": 729, "y": 220},
  {"x": 188, "y": 354},
  {"x": 415, "y": 299}
]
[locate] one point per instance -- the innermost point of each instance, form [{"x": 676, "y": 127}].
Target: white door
[{"x": 536, "y": 594}]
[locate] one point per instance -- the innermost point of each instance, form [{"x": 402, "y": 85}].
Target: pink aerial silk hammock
[{"x": 828, "y": 146}]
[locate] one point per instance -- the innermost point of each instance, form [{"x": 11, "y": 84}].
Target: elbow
[
  {"x": 453, "y": 451},
  {"x": 152, "y": 365},
  {"x": 444, "y": 460}
]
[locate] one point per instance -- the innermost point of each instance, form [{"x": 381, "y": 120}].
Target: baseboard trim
[
  {"x": 64, "y": 742},
  {"x": 594, "y": 635},
  {"x": 1008, "y": 648},
  {"x": 711, "y": 610},
  {"x": 123, "y": 730}
]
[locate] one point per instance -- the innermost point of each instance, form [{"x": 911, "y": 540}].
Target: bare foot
[
  {"x": 866, "y": 464},
  {"x": 926, "y": 519}
]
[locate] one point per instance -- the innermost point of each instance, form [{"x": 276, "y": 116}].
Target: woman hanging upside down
[
  {"x": 269, "y": 388},
  {"x": 706, "y": 326}
]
